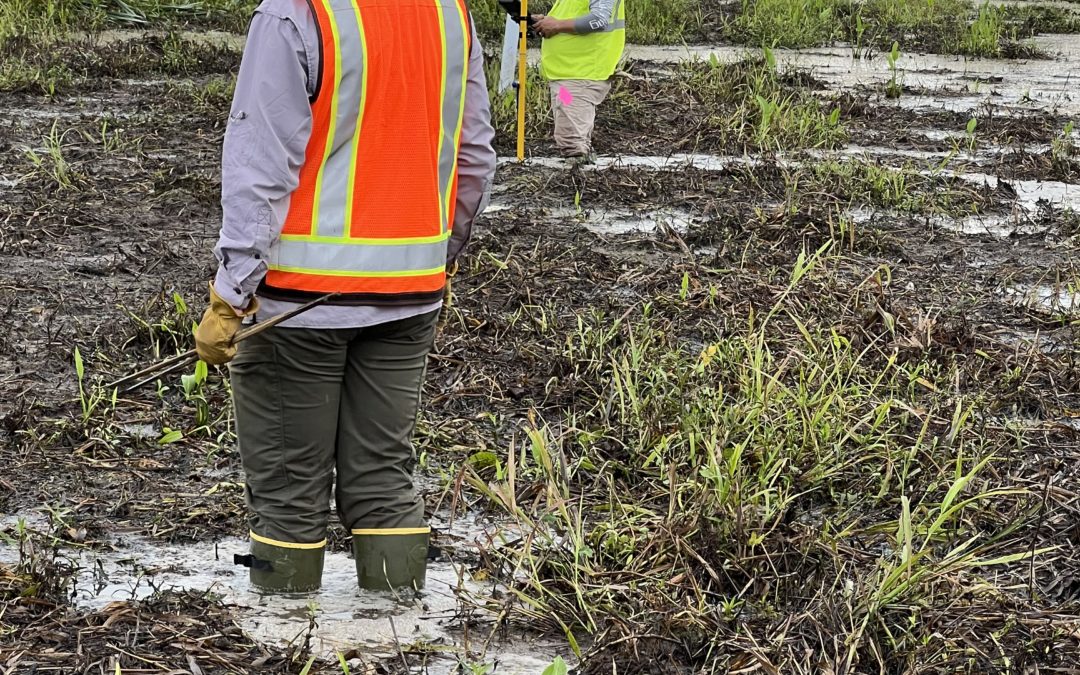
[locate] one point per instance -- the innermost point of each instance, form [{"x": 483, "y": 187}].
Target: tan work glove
[
  {"x": 448, "y": 297},
  {"x": 215, "y": 333}
]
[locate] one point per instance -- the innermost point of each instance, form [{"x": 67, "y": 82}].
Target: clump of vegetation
[
  {"x": 1032, "y": 19},
  {"x": 50, "y": 164},
  {"x": 894, "y": 89},
  {"x": 752, "y": 103},
  {"x": 504, "y": 106},
  {"x": 664, "y": 21},
  {"x": 1064, "y": 152},
  {"x": 944, "y": 26},
  {"x": 984, "y": 36},
  {"x": 785, "y": 23},
  {"x": 55, "y": 18},
  {"x": 779, "y": 472},
  {"x": 72, "y": 61}
]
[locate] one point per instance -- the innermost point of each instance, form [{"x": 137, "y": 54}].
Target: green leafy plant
[
  {"x": 194, "y": 392},
  {"x": 894, "y": 89},
  {"x": 984, "y": 36},
  {"x": 1063, "y": 148},
  {"x": 557, "y": 667},
  {"x": 90, "y": 398},
  {"x": 51, "y": 163}
]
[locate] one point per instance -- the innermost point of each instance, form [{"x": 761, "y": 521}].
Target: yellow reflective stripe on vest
[
  {"x": 350, "y": 194},
  {"x": 316, "y": 206},
  {"x": 453, "y": 113}
]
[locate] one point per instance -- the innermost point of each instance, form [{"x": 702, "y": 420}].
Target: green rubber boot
[
  {"x": 277, "y": 569},
  {"x": 391, "y": 558}
]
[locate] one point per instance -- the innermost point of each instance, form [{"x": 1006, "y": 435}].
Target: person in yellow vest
[
  {"x": 357, "y": 154},
  {"x": 583, "y": 44}
]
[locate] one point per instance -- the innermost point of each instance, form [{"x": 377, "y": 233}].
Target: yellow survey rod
[{"x": 523, "y": 27}]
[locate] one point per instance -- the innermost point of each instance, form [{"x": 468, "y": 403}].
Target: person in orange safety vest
[{"x": 357, "y": 155}]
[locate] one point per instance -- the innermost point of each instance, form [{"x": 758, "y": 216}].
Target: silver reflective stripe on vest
[
  {"x": 359, "y": 258},
  {"x": 333, "y": 198},
  {"x": 616, "y": 23},
  {"x": 457, "y": 42}
]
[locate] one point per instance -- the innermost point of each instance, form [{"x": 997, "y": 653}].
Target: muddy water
[
  {"x": 612, "y": 221},
  {"x": 345, "y": 619},
  {"x": 1030, "y": 194},
  {"x": 1054, "y": 299},
  {"x": 1007, "y": 84}
]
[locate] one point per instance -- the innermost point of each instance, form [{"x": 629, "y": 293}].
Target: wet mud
[{"x": 950, "y": 246}]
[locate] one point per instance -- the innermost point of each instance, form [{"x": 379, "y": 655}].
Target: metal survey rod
[
  {"x": 174, "y": 363},
  {"x": 517, "y": 11}
]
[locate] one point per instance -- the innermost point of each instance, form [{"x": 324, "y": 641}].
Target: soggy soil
[{"x": 959, "y": 248}]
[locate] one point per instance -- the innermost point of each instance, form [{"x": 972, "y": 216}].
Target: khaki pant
[
  {"x": 573, "y": 103},
  {"x": 314, "y": 403}
]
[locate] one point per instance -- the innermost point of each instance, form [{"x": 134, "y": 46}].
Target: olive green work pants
[{"x": 314, "y": 402}]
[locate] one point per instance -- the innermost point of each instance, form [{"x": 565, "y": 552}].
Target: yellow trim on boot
[
  {"x": 285, "y": 544},
  {"x": 393, "y": 531}
]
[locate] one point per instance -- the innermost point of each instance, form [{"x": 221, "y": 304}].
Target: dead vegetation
[{"x": 816, "y": 429}]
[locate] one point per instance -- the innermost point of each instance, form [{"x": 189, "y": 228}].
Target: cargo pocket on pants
[{"x": 260, "y": 428}]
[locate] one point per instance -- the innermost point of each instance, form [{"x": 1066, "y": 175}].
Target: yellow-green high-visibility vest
[{"x": 588, "y": 56}]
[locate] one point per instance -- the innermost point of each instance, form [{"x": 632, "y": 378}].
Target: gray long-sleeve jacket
[
  {"x": 599, "y": 16},
  {"x": 265, "y": 143}
]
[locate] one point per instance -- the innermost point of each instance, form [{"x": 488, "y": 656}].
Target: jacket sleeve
[
  {"x": 476, "y": 158},
  {"x": 265, "y": 141},
  {"x": 600, "y": 15}
]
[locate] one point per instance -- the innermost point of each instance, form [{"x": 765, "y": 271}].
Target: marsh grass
[
  {"x": 944, "y": 26},
  {"x": 65, "y": 63},
  {"x": 786, "y": 23},
  {"x": 53, "y": 18},
  {"x": 770, "y": 475}
]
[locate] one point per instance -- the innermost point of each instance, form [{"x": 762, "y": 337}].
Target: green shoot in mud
[
  {"x": 90, "y": 398},
  {"x": 50, "y": 163},
  {"x": 1063, "y": 147},
  {"x": 194, "y": 393},
  {"x": 969, "y": 133},
  {"x": 894, "y": 89}
]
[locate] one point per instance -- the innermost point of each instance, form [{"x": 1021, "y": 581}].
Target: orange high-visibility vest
[{"x": 374, "y": 208}]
